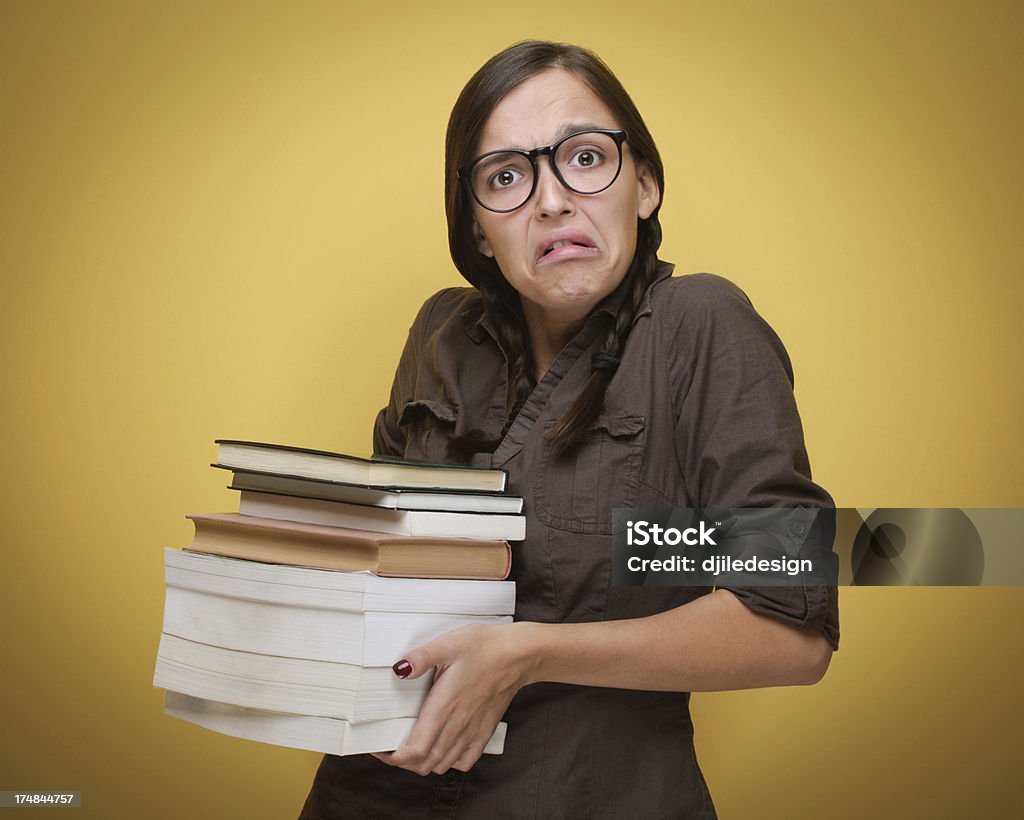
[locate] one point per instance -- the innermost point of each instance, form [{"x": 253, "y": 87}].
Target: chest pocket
[
  {"x": 577, "y": 492},
  {"x": 428, "y": 427}
]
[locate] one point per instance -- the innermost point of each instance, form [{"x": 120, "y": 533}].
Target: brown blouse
[{"x": 700, "y": 413}]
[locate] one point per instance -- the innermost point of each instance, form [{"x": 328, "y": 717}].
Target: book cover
[
  {"x": 433, "y": 523},
  {"x": 392, "y": 497},
  {"x": 379, "y": 472},
  {"x": 312, "y": 545}
]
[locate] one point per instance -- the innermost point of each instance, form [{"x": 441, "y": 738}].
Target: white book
[
  {"x": 312, "y": 632},
  {"x": 423, "y": 523},
  {"x": 277, "y": 684},
  {"x": 330, "y": 589},
  {"x": 314, "y": 734},
  {"x": 395, "y": 498}
]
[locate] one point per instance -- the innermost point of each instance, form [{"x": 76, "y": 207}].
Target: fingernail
[{"x": 403, "y": 668}]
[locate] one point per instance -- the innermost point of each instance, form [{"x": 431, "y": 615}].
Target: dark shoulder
[
  {"x": 446, "y": 305},
  {"x": 697, "y": 294},
  {"x": 709, "y": 315},
  {"x": 697, "y": 305}
]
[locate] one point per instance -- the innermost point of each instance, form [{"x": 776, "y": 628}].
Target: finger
[
  {"x": 424, "y": 754},
  {"x": 457, "y": 740},
  {"x": 448, "y": 761},
  {"x": 438, "y": 738},
  {"x": 448, "y": 758},
  {"x": 420, "y": 660},
  {"x": 419, "y": 752},
  {"x": 468, "y": 759}
]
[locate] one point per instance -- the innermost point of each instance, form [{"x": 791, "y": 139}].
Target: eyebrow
[{"x": 566, "y": 129}]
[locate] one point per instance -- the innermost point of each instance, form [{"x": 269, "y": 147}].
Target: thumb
[{"x": 418, "y": 661}]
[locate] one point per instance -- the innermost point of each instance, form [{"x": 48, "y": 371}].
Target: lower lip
[{"x": 566, "y": 253}]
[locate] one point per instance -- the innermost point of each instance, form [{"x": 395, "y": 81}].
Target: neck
[{"x": 548, "y": 335}]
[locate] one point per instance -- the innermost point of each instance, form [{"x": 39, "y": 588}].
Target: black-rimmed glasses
[{"x": 586, "y": 162}]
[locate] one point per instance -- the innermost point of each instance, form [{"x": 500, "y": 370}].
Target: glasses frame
[{"x": 465, "y": 172}]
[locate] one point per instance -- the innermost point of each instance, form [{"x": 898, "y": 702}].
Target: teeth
[{"x": 562, "y": 243}]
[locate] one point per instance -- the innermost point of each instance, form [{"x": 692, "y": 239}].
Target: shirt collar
[{"x": 478, "y": 323}]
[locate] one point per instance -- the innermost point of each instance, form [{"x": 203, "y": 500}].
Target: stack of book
[{"x": 282, "y": 621}]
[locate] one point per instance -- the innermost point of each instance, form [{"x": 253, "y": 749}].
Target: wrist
[{"x": 527, "y": 651}]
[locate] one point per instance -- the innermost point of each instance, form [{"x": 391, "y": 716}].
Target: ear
[
  {"x": 648, "y": 192},
  {"x": 481, "y": 241}
]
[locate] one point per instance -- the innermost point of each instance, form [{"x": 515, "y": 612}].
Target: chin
[
  {"x": 574, "y": 294},
  {"x": 574, "y": 299},
  {"x": 575, "y": 288}
]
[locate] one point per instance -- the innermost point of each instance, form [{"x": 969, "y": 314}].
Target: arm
[{"x": 713, "y": 643}]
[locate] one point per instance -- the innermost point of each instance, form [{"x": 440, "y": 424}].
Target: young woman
[{"x": 580, "y": 365}]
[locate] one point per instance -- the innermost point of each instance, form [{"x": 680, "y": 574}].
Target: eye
[
  {"x": 586, "y": 158},
  {"x": 501, "y": 171},
  {"x": 505, "y": 178}
]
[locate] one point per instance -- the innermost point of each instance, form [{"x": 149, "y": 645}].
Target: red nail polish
[{"x": 403, "y": 668}]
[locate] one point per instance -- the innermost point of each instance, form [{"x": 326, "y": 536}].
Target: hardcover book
[
  {"x": 313, "y": 545},
  {"x": 394, "y": 498},
  {"x": 378, "y": 472},
  {"x": 380, "y": 519}
]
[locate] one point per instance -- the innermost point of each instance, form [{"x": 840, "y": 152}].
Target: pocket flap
[
  {"x": 619, "y": 426},
  {"x": 415, "y": 409},
  {"x": 577, "y": 491}
]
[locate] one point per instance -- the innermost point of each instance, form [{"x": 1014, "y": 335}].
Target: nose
[{"x": 552, "y": 196}]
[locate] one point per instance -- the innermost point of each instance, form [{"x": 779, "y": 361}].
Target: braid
[
  {"x": 506, "y": 314},
  {"x": 581, "y": 414},
  {"x": 504, "y": 308}
]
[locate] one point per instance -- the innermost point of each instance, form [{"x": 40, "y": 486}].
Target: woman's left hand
[{"x": 479, "y": 670}]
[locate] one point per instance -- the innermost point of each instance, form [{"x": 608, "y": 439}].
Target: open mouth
[{"x": 565, "y": 243}]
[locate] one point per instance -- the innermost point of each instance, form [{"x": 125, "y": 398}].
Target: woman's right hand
[{"x": 479, "y": 669}]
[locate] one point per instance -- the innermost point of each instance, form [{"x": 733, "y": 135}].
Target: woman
[{"x": 598, "y": 381}]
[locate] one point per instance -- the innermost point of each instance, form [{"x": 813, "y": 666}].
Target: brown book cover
[{"x": 274, "y": 541}]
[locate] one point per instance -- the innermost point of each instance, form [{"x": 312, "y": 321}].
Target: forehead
[{"x": 543, "y": 109}]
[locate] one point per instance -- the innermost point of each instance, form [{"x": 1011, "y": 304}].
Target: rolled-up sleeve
[
  {"x": 388, "y": 435},
  {"x": 739, "y": 439}
]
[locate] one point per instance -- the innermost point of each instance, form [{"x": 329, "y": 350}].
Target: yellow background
[{"x": 219, "y": 218}]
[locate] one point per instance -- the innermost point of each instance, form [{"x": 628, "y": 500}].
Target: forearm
[{"x": 713, "y": 643}]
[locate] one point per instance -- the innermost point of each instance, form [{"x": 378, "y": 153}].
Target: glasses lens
[
  {"x": 588, "y": 162},
  {"x": 502, "y": 181}
]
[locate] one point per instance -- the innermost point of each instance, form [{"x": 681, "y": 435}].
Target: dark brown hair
[{"x": 481, "y": 95}]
